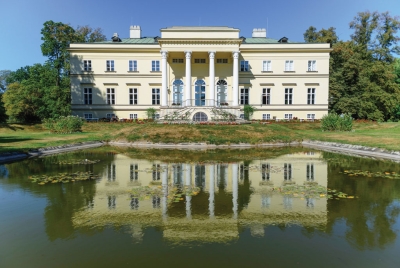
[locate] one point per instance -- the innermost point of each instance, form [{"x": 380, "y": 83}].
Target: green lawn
[{"x": 17, "y": 137}]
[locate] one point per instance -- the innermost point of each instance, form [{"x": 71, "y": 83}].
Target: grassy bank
[{"x": 14, "y": 137}]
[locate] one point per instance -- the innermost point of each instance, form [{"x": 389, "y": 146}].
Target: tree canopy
[
  {"x": 40, "y": 91},
  {"x": 364, "y": 73}
]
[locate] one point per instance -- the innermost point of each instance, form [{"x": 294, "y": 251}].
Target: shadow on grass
[
  {"x": 11, "y": 139},
  {"x": 14, "y": 128}
]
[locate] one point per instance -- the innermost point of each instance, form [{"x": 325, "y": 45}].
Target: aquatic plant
[{"x": 63, "y": 177}]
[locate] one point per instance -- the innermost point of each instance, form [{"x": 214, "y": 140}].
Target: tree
[
  {"x": 36, "y": 98},
  {"x": 88, "y": 35},
  {"x": 248, "y": 111},
  {"x": 387, "y": 38},
  {"x": 363, "y": 71},
  {"x": 323, "y": 36},
  {"x": 3, "y": 79},
  {"x": 56, "y": 38}
]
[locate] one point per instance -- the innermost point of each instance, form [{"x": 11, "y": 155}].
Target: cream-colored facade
[
  {"x": 199, "y": 69},
  {"x": 230, "y": 196}
]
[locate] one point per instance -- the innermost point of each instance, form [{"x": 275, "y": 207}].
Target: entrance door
[{"x": 200, "y": 93}]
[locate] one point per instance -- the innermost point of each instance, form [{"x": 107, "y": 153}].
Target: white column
[
  {"x": 164, "y": 181},
  {"x": 188, "y": 74},
  {"x": 188, "y": 183},
  {"x": 211, "y": 55},
  {"x": 235, "y": 190},
  {"x": 164, "y": 89},
  {"x": 235, "y": 91},
  {"x": 211, "y": 192}
]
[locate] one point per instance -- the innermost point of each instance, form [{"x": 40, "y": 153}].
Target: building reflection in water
[{"x": 238, "y": 194}]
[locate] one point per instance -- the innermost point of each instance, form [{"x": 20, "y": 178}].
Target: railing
[{"x": 200, "y": 103}]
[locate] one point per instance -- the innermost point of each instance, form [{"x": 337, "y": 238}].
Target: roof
[
  {"x": 143, "y": 40},
  {"x": 263, "y": 40},
  {"x": 153, "y": 40}
]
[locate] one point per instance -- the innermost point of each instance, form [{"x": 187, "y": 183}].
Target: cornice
[
  {"x": 198, "y": 41},
  {"x": 284, "y": 50}
]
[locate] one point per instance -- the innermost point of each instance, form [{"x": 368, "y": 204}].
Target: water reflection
[{"x": 231, "y": 196}]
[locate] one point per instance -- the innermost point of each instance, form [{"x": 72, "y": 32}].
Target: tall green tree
[
  {"x": 36, "y": 97},
  {"x": 322, "y": 36},
  {"x": 57, "y": 37},
  {"x": 87, "y": 34},
  {"x": 362, "y": 70},
  {"x": 3, "y": 79}
]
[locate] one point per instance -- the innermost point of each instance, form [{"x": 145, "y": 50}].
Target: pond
[{"x": 276, "y": 207}]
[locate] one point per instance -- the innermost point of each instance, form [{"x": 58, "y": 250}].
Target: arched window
[
  {"x": 222, "y": 90},
  {"x": 177, "y": 92},
  {"x": 200, "y": 117},
  {"x": 200, "y": 93}
]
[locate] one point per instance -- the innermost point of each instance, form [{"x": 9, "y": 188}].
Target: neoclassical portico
[
  {"x": 210, "y": 98},
  {"x": 203, "y": 45}
]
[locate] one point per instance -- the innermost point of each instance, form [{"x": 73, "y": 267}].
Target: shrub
[
  {"x": 248, "y": 111},
  {"x": 151, "y": 113},
  {"x": 335, "y": 122},
  {"x": 64, "y": 124}
]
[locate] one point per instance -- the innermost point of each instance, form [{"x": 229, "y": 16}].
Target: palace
[{"x": 199, "y": 73}]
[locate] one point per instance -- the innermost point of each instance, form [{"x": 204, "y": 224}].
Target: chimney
[
  {"x": 259, "y": 32},
  {"x": 135, "y": 32},
  {"x": 115, "y": 38}
]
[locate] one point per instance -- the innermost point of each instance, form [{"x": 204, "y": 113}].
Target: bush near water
[
  {"x": 64, "y": 124},
  {"x": 335, "y": 122}
]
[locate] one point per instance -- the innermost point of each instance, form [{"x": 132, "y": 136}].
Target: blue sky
[{"x": 22, "y": 20}]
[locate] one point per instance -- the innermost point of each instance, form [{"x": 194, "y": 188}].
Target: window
[
  {"x": 177, "y": 174},
  {"x": 287, "y": 171},
  {"x": 222, "y": 60},
  {"x": 133, "y": 172},
  {"x": 310, "y": 172},
  {"x": 288, "y": 96},
  {"x": 222, "y": 90},
  {"x": 312, "y": 66},
  {"x": 200, "y": 176},
  {"x": 156, "y": 202},
  {"x": 133, "y": 96},
  {"x": 155, "y": 65},
  {"x": 156, "y": 116},
  {"x": 199, "y": 60},
  {"x": 87, "y": 65},
  {"x": 112, "y": 202},
  {"x": 200, "y": 117},
  {"x": 241, "y": 116},
  {"x": 134, "y": 203},
  {"x": 155, "y": 99},
  {"x": 110, "y": 66},
  {"x": 244, "y": 66},
  {"x": 133, "y": 66},
  {"x": 310, "y": 116},
  {"x": 88, "y": 116},
  {"x": 244, "y": 96},
  {"x": 133, "y": 116},
  {"x": 177, "y": 92},
  {"x": 177, "y": 60},
  {"x": 156, "y": 172},
  {"x": 109, "y": 116},
  {"x": 87, "y": 95},
  {"x": 311, "y": 96},
  {"x": 266, "y": 116},
  {"x": 289, "y": 66},
  {"x": 110, "y": 95},
  {"x": 266, "y": 67},
  {"x": 265, "y": 172},
  {"x": 266, "y": 96},
  {"x": 288, "y": 116}
]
